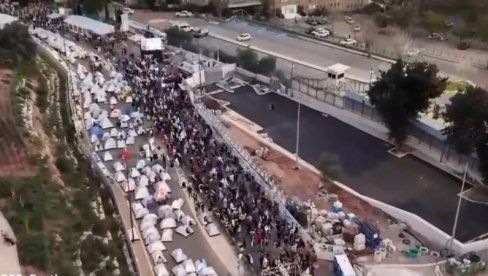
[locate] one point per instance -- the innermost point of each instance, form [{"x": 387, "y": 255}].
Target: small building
[
  {"x": 6, "y": 19},
  {"x": 337, "y": 71}
]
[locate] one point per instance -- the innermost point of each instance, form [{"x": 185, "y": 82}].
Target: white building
[{"x": 6, "y": 19}]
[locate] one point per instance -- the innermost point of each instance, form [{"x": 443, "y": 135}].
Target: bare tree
[{"x": 220, "y": 5}]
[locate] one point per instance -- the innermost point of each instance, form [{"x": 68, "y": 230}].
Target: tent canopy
[{"x": 89, "y": 24}]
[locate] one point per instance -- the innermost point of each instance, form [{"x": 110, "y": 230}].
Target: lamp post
[
  {"x": 125, "y": 156},
  {"x": 371, "y": 73},
  {"x": 458, "y": 209}
]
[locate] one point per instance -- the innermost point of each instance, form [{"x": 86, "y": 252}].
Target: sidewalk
[
  {"x": 10, "y": 259},
  {"x": 379, "y": 131}
]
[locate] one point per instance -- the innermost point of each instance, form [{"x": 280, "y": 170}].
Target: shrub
[{"x": 33, "y": 249}]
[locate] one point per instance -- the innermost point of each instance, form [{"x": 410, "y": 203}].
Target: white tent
[
  {"x": 204, "y": 218},
  {"x": 130, "y": 140},
  {"x": 105, "y": 123},
  {"x": 94, "y": 108},
  {"x": 151, "y": 238},
  {"x": 128, "y": 185},
  {"x": 178, "y": 255},
  {"x": 200, "y": 264},
  {"x": 135, "y": 232},
  {"x": 132, "y": 133},
  {"x": 118, "y": 166},
  {"x": 155, "y": 246},
  {"x": 212, "y": 230},
  {"x": 162, "y": 190},
  {"x": 158, "y": 257},
  {"x": 136, "y": 206},
  {"x": 167, "y": 223},
  {"x": 136, "y": 115},
  {"x": 179, "y": 270},
  {"x": 208, "y": 271},
  {"x": 158, "y": 168},
  {"x": 106, "y": 135},
  {"x": 177, "y": 204},
  {"x": 121, "y": 144},
  {"x": 140, "y": 164},
  {"x": 143, "y": 181},
  {"x": 134, "y": 173},
  {"x": 185, "y": 231},
  {"x": 124, "y": 118},
  {"x": 189, "y": 266},
  {"x": 141, "y": 192},
  {"x": 128, "y": 99},
  {"x": 93, "y": 138},
  {"x": 150, "y": 217},
  {"x": 107, "y": 156},
  {"x": 160, "y": 270},
  {"x": 165, "y": 211},
  {"x": 187, "y": 221},
  {"x": 141, "y": 212},
  {"x": 113, "y": 101},
  {"x": 167, "y": 235},
  {"x": 146, "y": 224},
  {"x": 165, "y": 176},
  {"x": 114, "y": 133},
  {"x": 148, "y": 231},
  {"x": 120, "y": 177},
  {"x": 110, "y": 144}
]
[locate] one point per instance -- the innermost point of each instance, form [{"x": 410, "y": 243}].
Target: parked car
[
  {"x": 200, "y": 32},
  {"x": 312, "y": 21},
  {"x": 321, "y": 33},
  {"x": 438, "y": 36},
  {"x": 357, "y": 28},
  {"x": 413, "y": 52},
  {"x": 127, "y": 10},
  {"x": 349, "y": 20},
  {"x": 463, "y": 45},
  {"x": 349, "y": 42},
  {"x": 184, "y": 14},
  {"x": 244, "y": 37}
]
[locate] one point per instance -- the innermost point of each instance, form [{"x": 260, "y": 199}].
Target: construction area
[{"x": 338, "y": 221}]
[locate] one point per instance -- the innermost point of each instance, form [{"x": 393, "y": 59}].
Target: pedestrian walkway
[{"x": 10, "y": 259}]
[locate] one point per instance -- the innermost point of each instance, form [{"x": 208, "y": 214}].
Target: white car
[
  {"x": 321, "y": 33},
  {"x": 357, "y": 28},
  {"x": 413, "y": 52},
  {"x": 184, "y": 14},
  {"x": 349, "y": 42},
  {"x": 349, "y": 20},
  {"x": 128, "y": 11},
  {"x": 244, "y": 37}
]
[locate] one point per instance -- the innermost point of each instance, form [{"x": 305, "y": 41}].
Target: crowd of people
[{"x": 232, "y": 194}]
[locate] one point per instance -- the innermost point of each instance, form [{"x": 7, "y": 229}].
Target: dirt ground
[
  {"x": 303, "y": 183},
  {"x": 14, "y": 152}
]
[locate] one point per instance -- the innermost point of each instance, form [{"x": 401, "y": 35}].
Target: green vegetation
[
  {"x": 457, "y": 85},
  {"x": 16, "y": 45},
  {"x": 402, "y": 92},
  {"x": 467, "y": 129},
  {"x": 435, "y": 22}
]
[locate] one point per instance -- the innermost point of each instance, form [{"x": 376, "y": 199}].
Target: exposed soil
[{"x": 302, "y": 183}]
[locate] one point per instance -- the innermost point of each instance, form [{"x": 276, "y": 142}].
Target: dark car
[
  {"x": 463, "y": 45},
  {"x": 200, "y": 33}
]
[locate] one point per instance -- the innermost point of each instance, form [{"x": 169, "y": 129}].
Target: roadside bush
[
  {"x": 33, "y": 249},
  {"x": 266, "y": 66},
  {"x": 177, "y": 37},
  {"x": 248, "y": 59},
  {"x": 42, "y": 92}
]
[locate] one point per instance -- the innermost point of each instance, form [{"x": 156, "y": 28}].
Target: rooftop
[
  {"x": 6, "y": 19},
  {"x": 94, "y": 26}
]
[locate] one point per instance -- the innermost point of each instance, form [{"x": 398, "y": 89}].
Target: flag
[{"x": 125, "y": 155}]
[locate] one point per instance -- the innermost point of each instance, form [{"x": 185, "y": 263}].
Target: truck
[{"x": 342, "y": 266}]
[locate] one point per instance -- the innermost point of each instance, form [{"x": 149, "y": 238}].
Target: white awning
[{"x": 89, "y": 24}]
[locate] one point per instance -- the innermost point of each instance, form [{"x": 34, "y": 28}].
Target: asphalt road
[
  {"x": 406, "y": 183},
  {"x": 317, "y": 54}
]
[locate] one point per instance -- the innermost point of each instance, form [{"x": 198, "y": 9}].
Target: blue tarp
[{"x": 96, "y": 130}]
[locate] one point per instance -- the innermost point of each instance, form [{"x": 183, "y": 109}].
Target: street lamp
[
  {"x": 291, "y": 78},
  {"x": 458, "y": 209},
  {"x": 371, "y": 73}
]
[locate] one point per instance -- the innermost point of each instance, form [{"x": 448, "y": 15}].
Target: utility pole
[
  {"x": 218, "y": 52},
  {"x": 297, "y": 146},
  {"x": 458, "y": 209},
  {"x": 125, "y": 156}
]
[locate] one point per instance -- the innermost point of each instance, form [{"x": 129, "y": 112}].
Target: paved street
[
  {"x": 406, "y": 183},
  {"x": 307, "y": 51}
]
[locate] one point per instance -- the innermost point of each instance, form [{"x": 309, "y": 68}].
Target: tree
[
  {"x": 266, "y": 65},
  {"x": 16, "y": 45},
  {"x": 329, "y": 166},
  {"x": 483, "y": 28},
  {"x": 93, "y": 6},
  {"x": 177, "y": 37},
  {"x": 402, "y": 92},
  {"x": 402, "y": 16},
  {"x": 248, "y": 59},
  {"x": 435, "y": 22},
  {"x": 467, "y": 125},
  {"x": 466, "y": 116},
  {"x": 381, "y": 20},
  {"x": 220, "y": 5}
]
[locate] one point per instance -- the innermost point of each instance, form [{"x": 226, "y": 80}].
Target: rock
[{"x": 116, "y": 271}]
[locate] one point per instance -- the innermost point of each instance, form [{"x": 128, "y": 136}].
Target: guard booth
[{"x": 337, "y": 72}]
